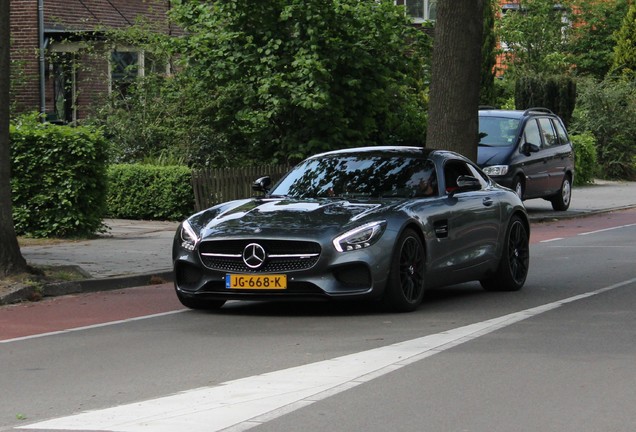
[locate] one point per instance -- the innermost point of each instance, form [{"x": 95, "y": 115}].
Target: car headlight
[
  {"x": 359, "y": 238},
  {"x": 189, "y": 238},
  {"x": 496, "y": 170}
]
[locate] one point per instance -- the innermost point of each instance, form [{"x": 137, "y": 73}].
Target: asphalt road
[{"x": 556, "y": 356}]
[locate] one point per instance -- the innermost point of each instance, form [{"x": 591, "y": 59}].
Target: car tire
[
  {"x": 201, "y": 304},
  {"x": 517, "y": 187},
  {"x": 561, "y": 200},
  {"x": 405, "y": 288},
  {"x": 513, "y": 266}
]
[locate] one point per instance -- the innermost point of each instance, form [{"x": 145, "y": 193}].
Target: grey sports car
[{"x": 380, "y": 223}]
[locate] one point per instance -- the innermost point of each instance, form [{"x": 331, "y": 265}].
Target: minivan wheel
[
  {"x": 517, "y": 186},
  {"x": 561, "y": 201}
]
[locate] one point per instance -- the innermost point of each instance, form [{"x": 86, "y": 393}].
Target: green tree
[
  {"x": 286, "y": 78},
  {"x": 535, "y": 37},
  {"x": 487, "y": 94},
  {"x": 624, "y": 61},
  {"x": 591, "y": 46}
]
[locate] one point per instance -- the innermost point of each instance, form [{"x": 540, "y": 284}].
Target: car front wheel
[
  {"x": 405, "y": 288},
  {"x": 513, "y": 266},
  {"x": 561, "y": 201}
]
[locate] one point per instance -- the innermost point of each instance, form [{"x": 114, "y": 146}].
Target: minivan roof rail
[
  {"x": 538, "y": 109},
  {"x": 486, "y": 107}
]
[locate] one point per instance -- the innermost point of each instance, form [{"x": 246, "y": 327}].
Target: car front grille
[{"x": 280, "y": 255}]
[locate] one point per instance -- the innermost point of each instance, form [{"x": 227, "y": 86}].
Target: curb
[
  {"x": 86, "y": 286},
  {"x": 555, "y": 216}
]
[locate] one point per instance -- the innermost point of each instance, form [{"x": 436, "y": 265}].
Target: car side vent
[{"x": 441, "y": 228}]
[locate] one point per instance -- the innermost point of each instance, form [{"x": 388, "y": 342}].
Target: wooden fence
[{"x": 213, "y": 186}]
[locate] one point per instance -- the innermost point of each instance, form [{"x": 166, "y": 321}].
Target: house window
[
  {"x": 124, "y": 69},
  {"x": 61, "y": 82},
  {"x": 127, "y": 65},
  {"x": 421, "y": 10}
]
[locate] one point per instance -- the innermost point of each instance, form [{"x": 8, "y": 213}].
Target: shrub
[
  {"x": 585, "y": 164},
  {"x": 58, "y": 179},
  {"x": 607, "y": 109},
  {"x": 149, "y": 192}
]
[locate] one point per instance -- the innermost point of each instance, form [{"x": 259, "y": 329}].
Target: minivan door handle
[{"x": 487, "y": 201}]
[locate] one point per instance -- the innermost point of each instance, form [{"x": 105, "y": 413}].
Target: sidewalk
[{"x": 136, "y": 253}]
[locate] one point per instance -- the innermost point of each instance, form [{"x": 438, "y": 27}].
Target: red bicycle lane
[{"x": 57, "y": 314}]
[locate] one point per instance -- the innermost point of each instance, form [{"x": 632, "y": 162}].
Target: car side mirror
[
  {"x": 262, "y": 184},
  {"x": 466, "y": 184},
  {"x": 528, "y": 148}
]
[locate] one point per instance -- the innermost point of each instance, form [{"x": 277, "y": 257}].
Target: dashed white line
[{"x": 606, "y": 229}]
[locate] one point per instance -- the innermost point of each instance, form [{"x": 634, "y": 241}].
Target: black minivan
[{"x": 529, "y": 152}]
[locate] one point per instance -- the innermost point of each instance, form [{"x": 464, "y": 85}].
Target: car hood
[
  {"x": 487, "y": 156},
  {"x": 273, "y": 217}
]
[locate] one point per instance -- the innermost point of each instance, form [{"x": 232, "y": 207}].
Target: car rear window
[{"x": 498, "y": 131}]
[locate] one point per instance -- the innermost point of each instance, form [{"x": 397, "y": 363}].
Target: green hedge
[
  {"x": 58, "y": 179},
  {"x": 585, "y": 163},
  {"x": 149, "y": 192}
]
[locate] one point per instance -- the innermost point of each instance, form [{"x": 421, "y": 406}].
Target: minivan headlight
[
  {"x": 360, "y": 237},
  {"x": 496, "y": 170}
]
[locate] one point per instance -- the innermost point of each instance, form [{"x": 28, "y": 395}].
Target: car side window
[
  {"x": 561, "y": 133},
  {"x": 452, "y": 170},
  {"x": 532, "y": 134},
  {"x": 479, "y": 176},
  {"x": 549, "y": 135}
]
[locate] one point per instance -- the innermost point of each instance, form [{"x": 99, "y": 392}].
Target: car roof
[
  {"x": 393, "y": 150},
  {"x": 517, "y": 114}
]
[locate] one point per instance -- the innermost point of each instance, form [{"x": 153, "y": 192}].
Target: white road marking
[
  {"x": 93, "y": 326},
  {"x": 607, "y": 229},
  {"x": 245, "y": 403},
  {"x": 551, "y": 240}
]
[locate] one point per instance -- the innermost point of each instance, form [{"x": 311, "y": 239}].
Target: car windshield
[
  {"x": 497, "y": 131},
  {"x": 359, "y": 176}
]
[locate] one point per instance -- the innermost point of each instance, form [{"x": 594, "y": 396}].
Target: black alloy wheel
[
  {"x": 513, "y": 267},
  {"x": 405, "y": 288}
]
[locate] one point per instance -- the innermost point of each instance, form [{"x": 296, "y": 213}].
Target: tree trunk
[
  {"x": 11, "y": 260},
  {"x": 454, "y": 97}
]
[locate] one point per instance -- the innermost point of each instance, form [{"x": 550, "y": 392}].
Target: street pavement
[{"x": 136, "y": 253}]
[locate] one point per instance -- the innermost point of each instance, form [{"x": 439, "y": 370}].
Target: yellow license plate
[{"x": 256, "y": 282}]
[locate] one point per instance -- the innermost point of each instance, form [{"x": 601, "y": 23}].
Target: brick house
[{"x": 61, "y": 63}]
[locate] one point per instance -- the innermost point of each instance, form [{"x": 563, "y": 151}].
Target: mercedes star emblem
[{"x": 254, "y": 255}]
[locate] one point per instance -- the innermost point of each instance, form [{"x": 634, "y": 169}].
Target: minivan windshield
[{"x": 498, "y": 131}]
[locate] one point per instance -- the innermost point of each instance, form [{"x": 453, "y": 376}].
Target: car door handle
[{"x": 487, "y": 201}]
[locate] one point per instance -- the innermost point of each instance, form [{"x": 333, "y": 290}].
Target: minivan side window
[
  {"x": 549, "y": 135},
  {"x": 561, "y": 133},
  {"x": 532, "y": 134}
]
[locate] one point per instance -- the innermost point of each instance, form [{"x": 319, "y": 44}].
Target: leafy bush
[
  {"x": 149, "y": 192},
  {"x": 585, "y": 164},
  {"x": 58, "y": 179},
  {"x": 607, "y": 109}
]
